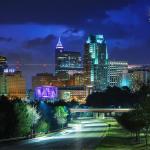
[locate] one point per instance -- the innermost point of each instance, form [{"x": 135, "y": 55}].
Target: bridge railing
[{"x": 102, "y": 110}]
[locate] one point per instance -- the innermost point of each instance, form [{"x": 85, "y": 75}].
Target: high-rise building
[
  {"x": 16, "y": 85},
  {"x": 3, "y": 64},
  {"x": 116, "y": 73},
  {"x": 59, "y": 47},
  {"x": 96, "y": 62},
  {"x": 67, "y": 62}
]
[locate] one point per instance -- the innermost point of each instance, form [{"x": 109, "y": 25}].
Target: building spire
[{"x": 59, "y": 44}]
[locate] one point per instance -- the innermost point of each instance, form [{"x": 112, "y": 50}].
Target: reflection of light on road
[
  {"x": 82, "y": 129},
  {"x": 66, "y": 132},
  {"x": 93, "y": 125},
  {"x": 78, "y": 127},
  {"x": 90, "y": 121},
  {"x": 39, "y": 139}
]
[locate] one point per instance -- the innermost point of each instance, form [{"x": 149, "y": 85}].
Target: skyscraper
[
  {"x": 13, "y": 84},
  {"x": 59, "y": 47},
  {"x": 67, "y": 61},
  {"x": 16, "y": 85},
  {"x": 96, "y": 62}
]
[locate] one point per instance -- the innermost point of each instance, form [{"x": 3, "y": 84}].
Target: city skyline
[
  {"x": 30, "y": 36},
  {"x": 59, "y": 47},
  {"x": 74, "y": 74}
]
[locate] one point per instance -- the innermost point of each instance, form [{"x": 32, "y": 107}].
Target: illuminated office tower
[
  {"x": 3, "y": 64},
  {"x": 16, "y": 85},
  {"x": 67, "y": 62},
  {"x": 96, "y": 62},
  {"x": 59, "y": 47},
  {"x": 117, "y": 71},
  {"x": 4, "y": 80}
]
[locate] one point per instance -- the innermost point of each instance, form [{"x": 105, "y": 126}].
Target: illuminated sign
[
  {"x": 9, "y": 70},
  {"x": 66, "y": 95},
  {"x": 46, "y": 92}
]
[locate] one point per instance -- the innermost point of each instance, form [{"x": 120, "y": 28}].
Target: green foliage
[
  {"x": 42, "y": 126},
  {"x": 26, "y": 118},
  {"x": 61, "y": 113},
  {"x": 33, "y": 115},
  {"x": 137, "y": 120}
]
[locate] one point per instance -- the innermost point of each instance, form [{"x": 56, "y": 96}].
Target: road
[{"x": 84, "y": 134}]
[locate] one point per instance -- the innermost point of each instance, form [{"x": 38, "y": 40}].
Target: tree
[
  {"x": 26, "y": 117},
  {"x": 137, "y": 120},
  {"x": 145, "y": 115},
  {"x": 132, "y": 122},
  {"x": 112, "y": 96},
  {"x": 42, "y": 126},
  {"x": 16, "y": 118},
  {"x": 61, "y": 113},
  {"x": 144, "y": 92},
  {"x": 7, "y": 118}
]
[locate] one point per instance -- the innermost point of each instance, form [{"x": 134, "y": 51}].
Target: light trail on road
[{"x": 68, "y": 139}]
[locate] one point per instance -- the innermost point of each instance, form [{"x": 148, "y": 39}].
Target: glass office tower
[
  {"x": 67, "y": 62},
  {"x": 96, "y": 62}
]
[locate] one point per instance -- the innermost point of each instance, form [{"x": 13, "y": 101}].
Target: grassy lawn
[{"x": 119, "y": 139}]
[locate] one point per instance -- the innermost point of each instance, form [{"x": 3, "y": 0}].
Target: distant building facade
[
  {"x": 139, "y": 76},
  {"x": 78, "y": 79},
  {"x": 41, "y": 79},
  {"x": 72, "y": 93},
  {"x": 116, "y": 72}
]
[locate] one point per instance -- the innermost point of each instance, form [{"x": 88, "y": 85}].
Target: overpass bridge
[{"x": 100, "y": 110}]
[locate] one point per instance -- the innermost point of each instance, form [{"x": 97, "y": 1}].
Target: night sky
[{"x": 29, "y": 29}]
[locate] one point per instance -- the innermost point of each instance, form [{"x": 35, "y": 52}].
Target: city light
[
  {"x": 74, "y": 74},
  {"x": 78, "y": 127},
  {"x": 46, "y": 92}
]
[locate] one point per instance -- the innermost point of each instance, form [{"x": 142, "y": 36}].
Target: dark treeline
[
  {"x": 137, "y": 121},
  {"x": 7, "y": 120},
  {"x": 117, "y": 97},
  {"x": 19, "y": 118}
]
